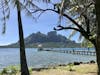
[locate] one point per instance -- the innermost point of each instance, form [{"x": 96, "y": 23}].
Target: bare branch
[
  {"x": 79, "y": 29},
  {"x": 72, "y": 28},
  {"x": 62, "y": 28},
  {"x": 65, "y": 15}
]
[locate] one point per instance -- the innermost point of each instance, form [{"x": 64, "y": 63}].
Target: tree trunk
[
  {"x": 97, "y": 6},
  {"x": 23, "y": 62},
  {"x": 98, "y": 57}
]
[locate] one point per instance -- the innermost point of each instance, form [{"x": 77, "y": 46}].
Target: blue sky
[{"x": 45, "y": 23}]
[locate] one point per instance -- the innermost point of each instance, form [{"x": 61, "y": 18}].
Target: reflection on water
[{"x": 10, "y": 56}]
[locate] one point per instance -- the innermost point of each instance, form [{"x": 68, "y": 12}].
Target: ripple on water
[{"x": 10, "y": 56}]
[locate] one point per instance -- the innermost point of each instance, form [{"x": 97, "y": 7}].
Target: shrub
[
  {"x": 70, "y": 67},
  {"x": 12, "y": 70}
]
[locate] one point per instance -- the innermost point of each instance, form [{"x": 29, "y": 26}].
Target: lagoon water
[{"x": 35, "y": 58}]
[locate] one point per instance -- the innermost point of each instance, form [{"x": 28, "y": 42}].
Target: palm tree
[
  {"x": 25, "y": 4},
  {"x": 24, "y": 67},
  {"x": 6, "y": 10}
]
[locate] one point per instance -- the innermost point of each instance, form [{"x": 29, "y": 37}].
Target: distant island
[{"x": 51, "y": 39}]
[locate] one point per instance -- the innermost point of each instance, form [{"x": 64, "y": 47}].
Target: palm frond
[
  {"x": 80, "y": 37},
  {"x": 23, "y": 7},
  {"x": 14, "y": 3},
  {"x": 31, "y": 5},
  {"x": 73, "y": 32},
  {"x": 5, "y": 13}
]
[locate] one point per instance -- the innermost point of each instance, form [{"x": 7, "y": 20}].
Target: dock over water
[{"x": 77, "y": 51}]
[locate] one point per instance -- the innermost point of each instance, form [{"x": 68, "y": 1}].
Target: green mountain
[{"x": 51, "y": 39}]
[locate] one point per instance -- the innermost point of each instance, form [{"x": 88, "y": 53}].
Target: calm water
[{"x": 10, "y": 56}]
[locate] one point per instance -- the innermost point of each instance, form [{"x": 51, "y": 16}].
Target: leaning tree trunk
[
  {"x": 97, "y": 6},
  {"x": 24, "y": 67}
]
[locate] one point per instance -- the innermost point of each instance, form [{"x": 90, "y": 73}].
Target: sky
[{"x": 45, "y": 23}]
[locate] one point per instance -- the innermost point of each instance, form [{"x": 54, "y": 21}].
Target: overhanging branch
[
  {"x": 76, "y": 29},
  {"x": 80, "y": 29},
  {"x": 65, "y": 15},
  {"x": 62, "y": 28}
]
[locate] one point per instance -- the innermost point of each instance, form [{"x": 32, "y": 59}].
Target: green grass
[{"x": 12, "y": 70}]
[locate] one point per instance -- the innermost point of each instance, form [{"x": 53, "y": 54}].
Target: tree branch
[
  {"x": 87, "y": 21},
  {"x": 65, "y": 15},
  {"x": 62, "y": 28},
  {"x": 81, "y": 30},
  {"x": 84, "y": 34},
  {"x": 86, "y": 7}
]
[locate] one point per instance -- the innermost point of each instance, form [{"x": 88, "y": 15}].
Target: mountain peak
[{"x": 51, "y": 39}]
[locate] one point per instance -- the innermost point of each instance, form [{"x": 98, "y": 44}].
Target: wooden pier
[{"x": 77, "y": 52}]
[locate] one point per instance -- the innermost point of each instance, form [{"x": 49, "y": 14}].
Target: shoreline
[
  {"x": 61, "y": 65},
  {"x": 82, "y": 69},
  {"x": 75, "y": 68}
]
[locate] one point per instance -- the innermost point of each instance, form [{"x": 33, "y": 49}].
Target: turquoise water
[{"x": 10, "y": 56}]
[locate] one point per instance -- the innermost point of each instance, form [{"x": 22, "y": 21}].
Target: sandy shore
[
  {"x": 82, "y": 69},
  {"x": 62, "y": 69}
]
